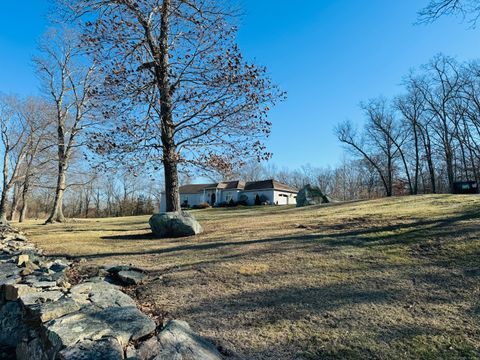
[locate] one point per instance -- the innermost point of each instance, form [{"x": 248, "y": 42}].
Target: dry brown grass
[{"x": 395, "y": 278}]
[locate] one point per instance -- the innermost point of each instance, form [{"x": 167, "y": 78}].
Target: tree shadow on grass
[
  {"x": 291, "y": 303},
  {"x": 414, "y": 232},
  {"x": 134, "y": 237}
]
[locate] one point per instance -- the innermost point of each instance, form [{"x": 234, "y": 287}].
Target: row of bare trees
[
  {"x": 427, "y": 138},
  {"x": 25, "y": 144},
  {"x": 38, "y": 151},
  {"x": 104, "y": 195}
]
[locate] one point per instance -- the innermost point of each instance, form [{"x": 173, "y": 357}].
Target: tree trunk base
[{"x": 56, "y": 220}]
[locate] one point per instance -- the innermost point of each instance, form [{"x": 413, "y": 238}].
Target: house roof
[
  {"x": 231, "y": 185},
  {"x": 195, "y": 188},
  {"x": 239, "y": 185},
  {"x": 268, "y": 184}
]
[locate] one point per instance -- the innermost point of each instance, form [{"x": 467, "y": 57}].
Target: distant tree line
[
  {"x": 425, "y": 139},
  {"x": 29, "y": 161}
]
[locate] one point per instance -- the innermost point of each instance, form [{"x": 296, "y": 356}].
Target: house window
[{"x": 228, "y": 197}]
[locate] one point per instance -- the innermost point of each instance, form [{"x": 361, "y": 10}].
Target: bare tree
[
  {"x": 387, "y": 136},
  {"x": 412, "y": 108},
  {"x": 180, "y": 92},
  {"x": 69, "y": 85},
  {"x": 347, "y": 135},
  {"x": 440, "y": 88},
  {"x": 469, "y": 10},
  {"x": 14, "y": 135},
  {"x": 37, "y": 115}
]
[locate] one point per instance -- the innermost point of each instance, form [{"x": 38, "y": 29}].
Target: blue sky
[{"x": 327, "y": 54}]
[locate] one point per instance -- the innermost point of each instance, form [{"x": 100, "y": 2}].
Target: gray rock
[
  {"x": 132, "y": 354},
  {"x": 131, "y": 277},
  {"x": 105, "y": 349},
  {"x": 40, "y": 297},
  {"x": 311, "y": 195},
  {"x": 148, "y": 349},
  {"x": 43, "y": 284},
  {"x": 14, "y": 291},
  {"x": 174, "y": 224},
  {"x": 58, "y": 267},
  {"x": 31, "y": 350},
  {"x": 100, "y": 294},
  {"x": 46, "y": 311},
  {"x": 8, "y": 271},
  {"x": 122, "y": 323},
  {"x": 178, "y": 341},
  {"x": 12, "y": 327}
]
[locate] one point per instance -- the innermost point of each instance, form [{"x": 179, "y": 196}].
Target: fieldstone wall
[{"x": 44, "y": 317}]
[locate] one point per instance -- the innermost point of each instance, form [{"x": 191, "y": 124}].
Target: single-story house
[{"x": 269, "y": 191}]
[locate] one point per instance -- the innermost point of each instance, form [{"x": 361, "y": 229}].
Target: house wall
[
  {"x": 269, "y": 194},
  {"x": 224, "y": 195},
  {"x": 284, "y": 198},
  {"x": 193, "y": 199},
  {"x": 274, "y": 197}
]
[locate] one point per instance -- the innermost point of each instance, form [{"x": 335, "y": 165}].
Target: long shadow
[
  {"x": 135, "y": 237},
  {"x": 334, "y": 239},
  {"x": 290, "y": 303}
]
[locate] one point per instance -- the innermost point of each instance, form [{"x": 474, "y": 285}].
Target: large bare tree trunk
[
  {"x": 14, "y": 208},
  {"x": 172, "y": 193},
  {"x": 23, "y": 209},
  {"x": 417, "y": 159},
  {"x": 6, "y": 188},
  {"x": 57, "y": 210},
  {"x": 3, "y": 208}
]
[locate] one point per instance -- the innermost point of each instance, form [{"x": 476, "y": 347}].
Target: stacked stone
[{"x": 43, "y": 317}]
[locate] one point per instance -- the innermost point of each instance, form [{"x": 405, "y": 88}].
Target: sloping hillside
[{"x": 392, "y": 278}]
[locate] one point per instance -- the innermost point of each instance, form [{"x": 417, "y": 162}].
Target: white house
[{"x": 270, "y": 191}]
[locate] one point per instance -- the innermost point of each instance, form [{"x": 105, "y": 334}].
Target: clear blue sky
[{"x": 327, "y": 54}]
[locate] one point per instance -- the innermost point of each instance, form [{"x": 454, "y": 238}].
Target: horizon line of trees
[{"x": 426, "y": 138}]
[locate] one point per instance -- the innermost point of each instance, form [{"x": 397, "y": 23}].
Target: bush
[
  {"x": 222, "y": 204},
  {"x": 231, "y": 203},
  {"x": 257, "y": 200},
  {"x": 242, "y": 203},
  {"x": 203, "y": 205}
]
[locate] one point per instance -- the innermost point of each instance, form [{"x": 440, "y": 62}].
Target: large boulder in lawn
[
  {"x": 311, "y": 195},
  {"x": 174, "y": 224}
]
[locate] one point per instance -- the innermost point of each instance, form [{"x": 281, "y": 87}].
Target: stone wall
[{"x": 42, "y": 316}]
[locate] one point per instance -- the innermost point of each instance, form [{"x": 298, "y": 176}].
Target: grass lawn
[{"x": 385, "y": 279}]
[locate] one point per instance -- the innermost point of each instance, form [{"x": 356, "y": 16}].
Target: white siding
[
  {"x": 275, "y": 197},
  {"x": 285, "y": 198},
  {"x": 193, "y": 199},
  {"x": 226, "y": 195},
  {"x": 252, "y": 194}
]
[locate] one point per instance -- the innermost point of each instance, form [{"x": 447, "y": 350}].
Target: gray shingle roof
[{"x": 240, "y": 185}]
